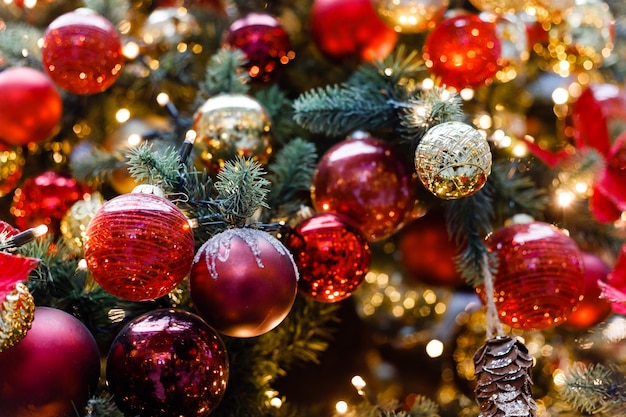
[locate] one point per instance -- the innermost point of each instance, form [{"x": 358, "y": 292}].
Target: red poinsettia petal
[
  {"x": 549, "y": 158},
  {"x": 14, "y": 269},
  {"x": 7, "y": 230},
  {"x": 602, "y": 207}
]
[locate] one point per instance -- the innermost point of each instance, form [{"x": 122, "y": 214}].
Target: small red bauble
[
  {"x": 331, "y": 254},
  {"x": 82, "y": 52},
  {"x": 53, "y": 371},
  {"x": 540, "y": 278},
  {"x": 243, "y": 282},
  {"x": 463, "y": 51},
  {"x": 265, "y": 43},
  {"x": 139, "y": 246},
  {"x": 166, "y": 363},
  {"x": 592, "y": 309},
  {"x": 30, "y": 108},
  {"x": 45, "y": 199},
  {"x": 350, "y": 30},
  {"x": 427, "y": 252},
  {"x": 365, "y": 179}
]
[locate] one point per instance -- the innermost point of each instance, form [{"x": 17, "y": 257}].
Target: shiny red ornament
[
  {"x": 427, "y": 252},
  {"x": 139, "y": 246},
  {"x": 350, "y": 31},
  {"x": 45, "y": 199},
  {"x": 265, "y": 43},
  {"x": 53, "y": 371},
  {"x": 331, "y": 254},
  {"x": 82, "y": 52},
  {"x": 243, "y": 282},
  {"x": 31, "y": 107},
  {"x": 165, "y": 363},
  {"x": 463, "y": 51},
  {"x": 367, "y": 180},
  {"x": 540, "y": 277},
  {"x": 592, "y": 309}
]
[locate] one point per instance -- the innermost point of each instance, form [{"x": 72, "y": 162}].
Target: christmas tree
[{"x": 312, "y": 208}]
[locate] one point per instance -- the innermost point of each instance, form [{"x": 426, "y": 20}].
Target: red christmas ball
[
  {"x": 350, "y": 30},
  {"x": 53, "y": 371},
  {"x": 463, "y": 51},
  {"x": 592, "y": 309},
  {"x": 139, "y": 246},
  {"x": 265, "y": 43},
  {"x": 331, "y": 254},
  {"x": 165, "y": 363},
  {"x": 45, "y": 199},
  {"x": 82, "y": 52},
  {"x": 539, "y": 280},
  {"x": 30, "y": 108},
  {"x": 365, "y": 179},
  {"x": 427, "y": 252},
  {"x": 243, "y": 282}
]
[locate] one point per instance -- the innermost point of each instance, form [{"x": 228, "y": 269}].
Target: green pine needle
[
  {"x": 94, "y": 164},
  {"x": 161, "y": 169},
  {"x": 102, "y": 407},
  {"x": 595, "y": 388},
  {"x": 18, "y": 45},
  {"x": 242, "y": 189},
  {"x": 225, "y": 73}
]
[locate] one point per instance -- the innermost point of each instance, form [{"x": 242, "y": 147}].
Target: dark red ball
[
  {"x": 463, "y": 51},
  {"x": 265, "y": 43},
  {"x": 31, "y": 107},
  {"x": 243, "y": 282},
  {"x": 367, "y": 180},
  {"x": 82, "y": 52},
  {"x": 332, "y": 256},
  {"x": 350, "y": 30},
  {"x": 52, "y": 371},
  {"x": 167, "y": 363}
]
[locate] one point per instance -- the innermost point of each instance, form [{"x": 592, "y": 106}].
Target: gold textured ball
[
  {"x": 17, "y": 312},
  {"x": 501, "y": 6},
  {"x": 230, "y": 125},
  {"x": 411, "y": 16},
  {"x": 453, "y": 160},
  {"x": 75, "y": 222},
  {"x": 11, "y": 167}
]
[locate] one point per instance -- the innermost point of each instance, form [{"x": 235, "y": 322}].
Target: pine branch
[
  {"x": 225, "y": 73},
  {"x": 291, "y": 175},
  {"x": 92, "y": 164},
  {"x": 113, "y": 10},
  {"x": 18, "y": 45},
  {"x": 595, "y": 389},
  {"x": 160, "y": 169},
  {"x": 241, "y": 188},
  {"x": 102, "y": 407},
  {"x": 280, "y": 109}
]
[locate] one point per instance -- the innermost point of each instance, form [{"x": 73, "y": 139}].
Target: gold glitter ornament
[
  {"x": 230, "y": 125},
  {"x": 17, "y": 313},
  {"x": 75, "y": 222},
  {"x": 411, "y": 16},
  {"x": 11, "y": 167},
  {"x": 501, "y": 6},
  {"x": 453, "y": 160}
]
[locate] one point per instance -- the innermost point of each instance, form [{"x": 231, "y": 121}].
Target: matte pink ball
[
  {"x": 243, "y": 282},
  {"x": 82, "y": 52},
  {"x": 139, "y": 246},
  {"x": 55, "y": 368}
]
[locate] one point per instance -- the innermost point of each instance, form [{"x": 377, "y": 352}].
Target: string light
[
  {"x": 434, "y": 348},
  {"x": 341, "y": 407}
]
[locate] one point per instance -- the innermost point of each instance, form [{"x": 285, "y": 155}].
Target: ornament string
[{"x": 494, "y": 327}]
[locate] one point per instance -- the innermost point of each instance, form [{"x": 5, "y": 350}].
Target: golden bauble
[
  {"x": 11, "y": 167},
  {"x": 411, "y": 16},
  {"x": 17, "y": 312},
  {"x": 502, "y": 6},
  {"x": 75, "y": 222},
  {"x": 231, "y": 125},
  {"x": 453, "y": 160}
]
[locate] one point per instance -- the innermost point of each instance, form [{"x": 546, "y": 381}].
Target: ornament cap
[{"x": 148, "y": 189}]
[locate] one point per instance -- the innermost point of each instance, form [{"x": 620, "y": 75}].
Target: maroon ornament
[
  {"x": 53, "y": 371},
  {"x": 350, "y": 30},
  {"x": 592, "y": 309},
  {"x": 540, "y": 278},
  {"x": 45, "y": 199},
  {"x": 265, "y": 43},
  {"x": 243, "y": 282},
  {"x": 166, "y": 363},
  {"x": 463, "y": 51},
  {"x": 31, "y": 106},
  {"x": 365, "y": 179},
  {"x": 82, "y": 52},
  {"x": 428, "y": 253},
  {"x": 139, "y": 246},
  {"x": 331, "y": 254}
]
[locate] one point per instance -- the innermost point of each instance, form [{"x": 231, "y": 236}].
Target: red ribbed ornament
[
  {"x": 331, "y": 254},
  {"x": 540, "y": 278},
  {"x": 82, "y": 52},
  {"x": 139, "y": 246},
  {"x": 243, "y": 282}
]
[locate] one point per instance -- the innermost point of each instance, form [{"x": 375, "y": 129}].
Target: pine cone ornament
[
  {"x": 17, "y": 312},
  {"x": 502, "y": 369}
]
